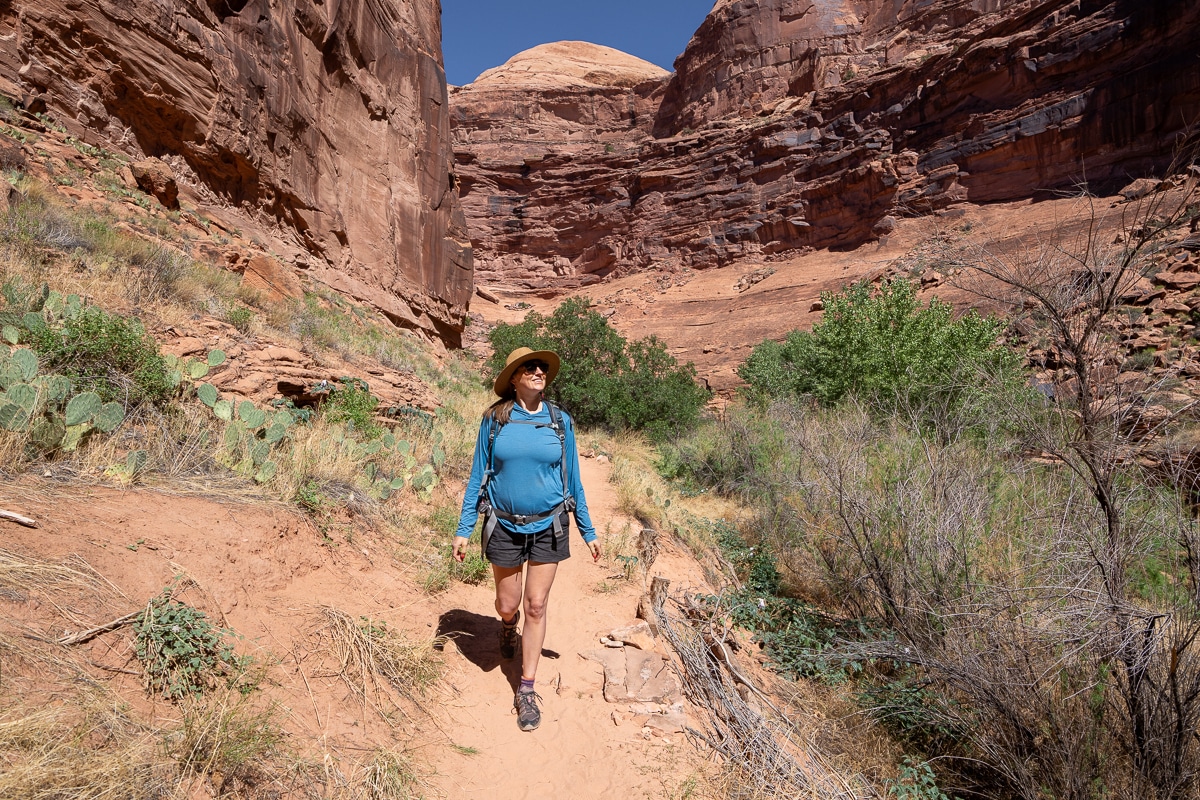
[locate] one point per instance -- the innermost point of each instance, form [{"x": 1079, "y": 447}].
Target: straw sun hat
[{"x": 518, "y": 357}]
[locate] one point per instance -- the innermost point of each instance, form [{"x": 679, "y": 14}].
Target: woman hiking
[{"x": 525, "y": 483}]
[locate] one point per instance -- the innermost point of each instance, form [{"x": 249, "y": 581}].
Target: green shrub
[
  {"x": 352, "y": 402},
  {"x": 240, "y": 318},
  {"x": 882, "y": 345},
  {"x": 917, "y": 782},
  {"x": 605, "y": 380},
  {"x": 106, "y": 353},
  {"x": 180, "y": 650}
]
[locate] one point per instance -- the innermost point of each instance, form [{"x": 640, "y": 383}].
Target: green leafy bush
[
  {"x": 881, "y": 345},
  {"x": 109, "y": 354},
  {"x": 180, "y": 650},
  {"x": 353, "y": 403},
  {"x": 917, "y": 782},
  {"x": 605, "y": 380}
]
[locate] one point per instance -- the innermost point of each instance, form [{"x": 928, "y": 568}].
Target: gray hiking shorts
[{"x": 508, "y": 549}]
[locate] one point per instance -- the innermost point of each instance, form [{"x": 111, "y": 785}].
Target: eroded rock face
[
  {"x": 795, "y": 124},
  {"x": 324, "y": 119},
  {"x": 567, "y": 98}
]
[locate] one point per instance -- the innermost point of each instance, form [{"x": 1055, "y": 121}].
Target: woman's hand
[
  {"x": 460, "y": 548},
  {"x": 594, "y": 544}
]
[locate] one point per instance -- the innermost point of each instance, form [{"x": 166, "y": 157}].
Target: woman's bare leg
[
  {"x": 508, "y": 590},
  {"x": 537, "y": 594}
]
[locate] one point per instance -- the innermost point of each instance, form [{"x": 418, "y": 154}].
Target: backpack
[{"x": 491, "y": 515}]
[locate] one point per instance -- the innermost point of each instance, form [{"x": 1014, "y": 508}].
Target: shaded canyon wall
[{"x": 324, "y": 119}]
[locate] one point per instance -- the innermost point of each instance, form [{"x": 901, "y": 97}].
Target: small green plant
[
  {"x": 240, "y": 317},
  {"x": 917, "y": 782},
  {"x": 473, "y": 570},
  {"x": 352, "y": 402},
  {"x": 181, "y": 652},
  {"x": 312, "y": 498},
  {"x": 906, "y": 707}
]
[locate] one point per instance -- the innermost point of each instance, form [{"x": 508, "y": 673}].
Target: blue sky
[{"x": 480, "y": 34}]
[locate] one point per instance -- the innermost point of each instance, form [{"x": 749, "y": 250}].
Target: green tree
[
  {"x": 604, "y": 380},
  {"x": 882, "y": 345}
]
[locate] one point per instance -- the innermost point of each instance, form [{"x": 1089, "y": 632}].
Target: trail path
[{"x": 585, "y": 747}]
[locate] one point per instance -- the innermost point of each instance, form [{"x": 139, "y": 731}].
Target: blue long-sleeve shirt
[{"x": 528, "y": 473}]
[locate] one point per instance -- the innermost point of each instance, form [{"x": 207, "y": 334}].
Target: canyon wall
[
  {"x": 798, "y": 124},
  {"x": 325, "y": 120}
]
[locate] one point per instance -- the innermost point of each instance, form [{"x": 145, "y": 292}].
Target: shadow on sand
[{"x": 477, "y": 637}]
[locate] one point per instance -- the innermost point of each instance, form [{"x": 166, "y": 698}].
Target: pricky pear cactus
[{"x": 82, "y": 407}]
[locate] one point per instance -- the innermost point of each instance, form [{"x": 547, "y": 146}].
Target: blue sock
[{"x": 526, "y": 685}]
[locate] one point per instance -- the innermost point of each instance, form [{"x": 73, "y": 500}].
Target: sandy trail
[{"x": 585, "y": 747}]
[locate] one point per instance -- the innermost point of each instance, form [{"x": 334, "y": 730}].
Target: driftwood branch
[
  {"x": 17, "y": 518},
  {"x": 91, "y": 633}
]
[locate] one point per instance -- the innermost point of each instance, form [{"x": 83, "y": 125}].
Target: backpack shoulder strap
[
  {"x": 556, "y": 424},
  {"x": 560, "y": 428}
]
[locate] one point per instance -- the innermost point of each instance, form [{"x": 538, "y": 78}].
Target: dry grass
[
  {"x": 377, "y": 664},
  {"x": 231, "y": 737},
  {"x": 763, "y": 760},
  {"x": 89, "y": 750},
  {"x": 389, "y": 775},
  {"x": 29, "y": 575}
]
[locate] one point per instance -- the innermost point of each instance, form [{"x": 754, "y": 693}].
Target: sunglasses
[{"x": 531, "y": 367}]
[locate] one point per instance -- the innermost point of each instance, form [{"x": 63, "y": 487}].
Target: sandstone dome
[{"x": 571, "y": 64}]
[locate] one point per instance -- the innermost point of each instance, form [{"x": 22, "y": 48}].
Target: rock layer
[
  {"x": 798, "y": 124},
  {"x": 325, "y": 121}
]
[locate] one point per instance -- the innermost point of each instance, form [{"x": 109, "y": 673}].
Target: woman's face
[{"x": 530, "y": 376}]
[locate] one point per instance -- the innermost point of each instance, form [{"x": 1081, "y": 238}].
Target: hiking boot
[
  {"x": 528, "y": 715},
  {"x": 509, "y": 636}
]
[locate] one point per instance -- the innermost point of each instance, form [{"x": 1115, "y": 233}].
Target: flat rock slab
[{"x": 635, "y": 676}]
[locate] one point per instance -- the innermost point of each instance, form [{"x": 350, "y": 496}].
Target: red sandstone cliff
[
  {"x": 324, "y": 120},
  {"x": 795, "y": 124}
]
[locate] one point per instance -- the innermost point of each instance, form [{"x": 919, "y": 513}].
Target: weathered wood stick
[
  {"x": 90, "y": 633},
  {"x": 17, "y": 518}
]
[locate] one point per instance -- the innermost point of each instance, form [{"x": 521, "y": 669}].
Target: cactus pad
[
  {"x": 265, "y": 472},
  {"x": 10, "y": 334},
  {"x": 197, "y": 369},
  {"x": 223, "y": 409},
  {"x": 27, "y": 362},
  {"x": 55, "y": 388},
  {"x": 216, "y": 357},
  {"x": 208, "y": 394},
  {"x": 425, "y": 478},
  {"x": 252, "y": 415},
  {"x": 47, "y": 433},
  {"x": 135, "y": 462},
  {"x": 82, "y": 407},
  {"x": 109, "y": 417},
  {"x": 74, "y": 435},
  {"x": 275, "y": 433},
  {"x": 259, "y": 452},
  {"x": 23, "y": 394},
  {"x": 13, "y": 417}
]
